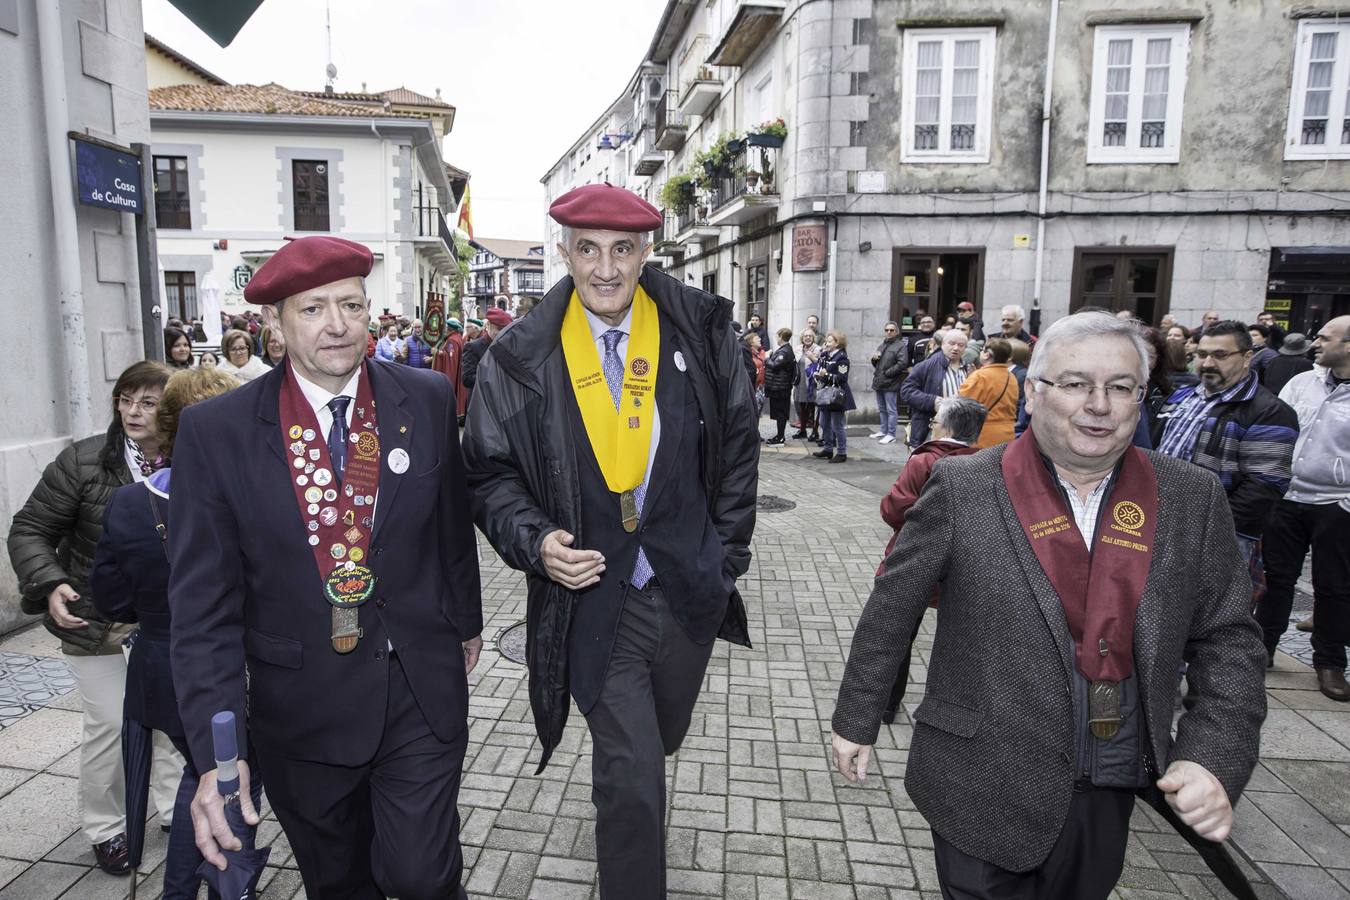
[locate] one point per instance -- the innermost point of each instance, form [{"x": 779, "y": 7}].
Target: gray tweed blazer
[{"x": 991, "y": 761}]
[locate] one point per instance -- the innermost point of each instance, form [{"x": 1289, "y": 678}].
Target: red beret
[
  {"x": 605, "y": 207},
  {"x": 499, "y": 317},
  {"x": 305, "y": 263}
]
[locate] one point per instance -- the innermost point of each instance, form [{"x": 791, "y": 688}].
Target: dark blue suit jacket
[
  {"x": 244, "y": 586},
  {"x": 130, "y": 582},
  {"x": 919, "y": 391}
]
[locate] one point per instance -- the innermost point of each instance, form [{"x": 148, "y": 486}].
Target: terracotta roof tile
[{"x": 259, "y": 98}]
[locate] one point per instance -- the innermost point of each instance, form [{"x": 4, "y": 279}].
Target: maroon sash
[
  {"x": 338, "y": 518},
  {"x": 1100, "y": 590}
]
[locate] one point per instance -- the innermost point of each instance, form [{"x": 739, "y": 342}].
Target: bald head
[{"x": 1330, "y": 348}]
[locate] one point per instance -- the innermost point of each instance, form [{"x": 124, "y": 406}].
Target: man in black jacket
[
  {"x": 612, "y": 451},
  {"x": 889, "y": 362},
  {"x": 497, "y": 319}
]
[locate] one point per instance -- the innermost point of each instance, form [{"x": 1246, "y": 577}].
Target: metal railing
[
  {"x": 668, "y": 115},
  {"x": 751, "y": 170},
  {"x": 311, "y": 216}
]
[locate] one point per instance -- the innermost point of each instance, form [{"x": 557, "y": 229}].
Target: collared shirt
[
  {"x": 1086, "y": 512},
  {"x": 1183, "y": 427},
  {"x": 598, "y": 328},
  {"x": 952, "y": 380},
  {"x": 1322, "y": 453},
  {"x": 319, "y": 398}
]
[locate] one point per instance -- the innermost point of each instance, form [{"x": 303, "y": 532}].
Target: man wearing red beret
[
  {"x": 612, "y": 452},
  {"x": 357, "y": 649}
]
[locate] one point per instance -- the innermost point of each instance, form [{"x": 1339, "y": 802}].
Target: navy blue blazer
[
  {"x": 920, "y": 391},
  {"x": 244, "y": 586},
  {"x": 130, "y": 582}
]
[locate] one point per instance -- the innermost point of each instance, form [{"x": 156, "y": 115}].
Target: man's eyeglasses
[
  {"x": 890, "y": 330},
  {"x": 1081, "y": 390},
  {"x": 145, "y": 404},
  {"x": 1219, "y": 355}
]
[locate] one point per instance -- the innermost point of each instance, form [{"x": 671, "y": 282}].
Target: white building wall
[{"x": 105, "y": 90}]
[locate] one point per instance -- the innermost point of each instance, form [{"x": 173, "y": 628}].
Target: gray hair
[
  {"x": 963, "y": 417},
  {"x": 569, "y": 233},
  {"x": 1083, "y": 326},
  {"x": 1017, "y": 311}
]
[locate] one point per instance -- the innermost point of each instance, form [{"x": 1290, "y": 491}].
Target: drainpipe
[
  {"x": 66, "y": 238},
  {"x": 1045, "y": 155}
]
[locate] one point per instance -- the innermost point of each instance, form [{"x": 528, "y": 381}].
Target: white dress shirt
[{"x": 319, "y": 398}]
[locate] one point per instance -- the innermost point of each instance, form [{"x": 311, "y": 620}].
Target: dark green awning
[{"x": 219, "y": 19}]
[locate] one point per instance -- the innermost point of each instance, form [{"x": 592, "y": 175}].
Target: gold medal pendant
[
  {"x": 629, "y": 511},
  {"x": 1104, "y": 709}
]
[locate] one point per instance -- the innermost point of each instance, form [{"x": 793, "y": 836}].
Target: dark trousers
[
  {"x": 654, "y": 675},
  {"x": 387, "y": 828},
  {"x": 182, "y": 858},
  {"x": 1292, "y": 530},
  {"x": 806, "y": 416},
  {"x": 1084, "y": 864}
]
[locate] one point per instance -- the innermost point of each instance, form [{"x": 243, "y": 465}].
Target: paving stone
[
  {"x": 40, "y": 739},
  {"x": 1260, "y": 838},
  {"x": 38, "y": 815},
  {"x": 1316, "y": 836},
  {"x": 1289, "y": 735},
  {"x": 1306, "y": 882},
  {"x": 43, "y": 881}
]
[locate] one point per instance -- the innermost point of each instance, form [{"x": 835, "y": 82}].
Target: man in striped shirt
[{"x": 1234, "y": 427}]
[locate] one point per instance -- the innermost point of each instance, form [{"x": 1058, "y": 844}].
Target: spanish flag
[{"x": 465, "y": 215}]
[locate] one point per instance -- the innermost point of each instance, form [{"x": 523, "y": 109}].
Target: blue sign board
[{"x": 107, "y": 177}]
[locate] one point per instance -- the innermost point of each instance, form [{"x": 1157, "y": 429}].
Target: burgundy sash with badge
[
  {"x": 1100, "y": 590},
  {"x": 338, "y": 518}
]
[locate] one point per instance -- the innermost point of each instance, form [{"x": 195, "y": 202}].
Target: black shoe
[
  {"x": 798, "y": 434},
  {"x": 818, "y": 441},
  {"x": 823, "y": 454},
  {"x": 111, "y": 855},
  {"x": 1270, "y": 660},
  {"x": 839, "y": 457},
  {"x": 1331, "y": 682},
  {"x": 888, "y": 715},
  {"x": 775, "y": 440}
]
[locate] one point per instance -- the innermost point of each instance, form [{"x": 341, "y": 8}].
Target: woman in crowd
[
  {"x": 208, "y": 360},
  {"x": 237, "y": 359},
  {"x": 389, "y": 348},
  {"x": 1021, "y": 359},
  {"x": 780, "y": 371},
  {"x": 805, "y": 391},
  {"x": 995, "y": 387},
  {"x": 273, "y": 347},
  {"x": 754, "y": 367},
  {"x": 834, "y": 398},
  {"x": 177, "y": 348},
  {"x": 1160, "y": 385},
  {"x": 51, "y": 546},
  {"x": 130, "y": 581}
]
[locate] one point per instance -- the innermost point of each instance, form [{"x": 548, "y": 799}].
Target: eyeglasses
[
  {"x": 890, "y": 330},
  {"x": 145, "y": 404},
  {"x": 1219, "y": 355},
  {"x": 1081, "y": 390}
]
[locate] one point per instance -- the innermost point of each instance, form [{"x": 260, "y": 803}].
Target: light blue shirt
[{"x": 598, "y": 329}]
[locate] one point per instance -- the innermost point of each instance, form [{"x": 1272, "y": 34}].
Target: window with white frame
[
  {"x": 947, "y": 99},
  {"x": 1138, "y": 85},
  {"x": 1319, "y": 107}
]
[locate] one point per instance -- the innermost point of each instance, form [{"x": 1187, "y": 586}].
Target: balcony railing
[
  {"x": 647, "y": 157},
  {"x": 311, "y": 216},
  {"x": 173, "y": 212},
  {"x": 431, "y": 222},
  {"x": 699, "y": 83},
  {"x": 671, "y": 127},
  {"x": 750, "y": 173}
]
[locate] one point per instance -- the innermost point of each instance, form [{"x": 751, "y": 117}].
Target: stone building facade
[{"x": 1187, "y": 156}]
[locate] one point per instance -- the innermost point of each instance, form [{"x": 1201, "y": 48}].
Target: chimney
[{"x": 363, "y": 87}]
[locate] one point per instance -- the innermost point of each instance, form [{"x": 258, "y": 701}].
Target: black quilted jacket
[
  {"x": 521, "y": 464},
  {"x": 52, "y": 539}
]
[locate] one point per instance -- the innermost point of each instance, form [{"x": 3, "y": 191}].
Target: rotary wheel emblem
[
  {"x": 367, "y": 445},
  {"x": 1128, "y": 514},
  {"x": 640, "y": 367}
]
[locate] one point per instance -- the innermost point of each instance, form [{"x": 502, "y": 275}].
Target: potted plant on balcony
[
  {"x": 767, "y": 134},
  {"x": 678, "y": 191}
]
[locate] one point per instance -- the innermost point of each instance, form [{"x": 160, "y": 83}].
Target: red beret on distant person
[
  {"x": 499, "y": 317},
  {"x": 305, "y": 263},
  {"x": 605, "y": 207}
]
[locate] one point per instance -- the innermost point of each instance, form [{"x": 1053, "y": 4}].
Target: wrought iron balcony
[
  {"x": 647, "y": 157},
  {"x": 746, "y": 185},
  {"x": 671, "y": 128}
]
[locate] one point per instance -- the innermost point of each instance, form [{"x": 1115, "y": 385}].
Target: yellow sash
[{"x": 620, "y": 438}]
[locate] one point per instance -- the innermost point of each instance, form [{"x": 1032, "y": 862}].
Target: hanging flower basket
[{"x": 764, "y": 140}]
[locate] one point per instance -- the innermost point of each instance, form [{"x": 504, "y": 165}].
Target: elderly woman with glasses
[
  {"x": 237, "y": 359},
  {"x": 51, "y": 546}
]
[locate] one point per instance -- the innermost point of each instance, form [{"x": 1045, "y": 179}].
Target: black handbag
[{"x": 829, "y": 397}]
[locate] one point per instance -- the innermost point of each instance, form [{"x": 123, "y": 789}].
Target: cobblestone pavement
[{"x": 755, "y": 810}]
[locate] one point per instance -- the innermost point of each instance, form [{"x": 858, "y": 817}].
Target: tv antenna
[{"x": 331, "y": 70}]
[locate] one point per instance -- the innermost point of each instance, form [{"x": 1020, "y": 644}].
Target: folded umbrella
[
  {"x": 137, "y": 749},
  {"x": 245, "y": 865}
]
